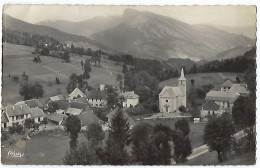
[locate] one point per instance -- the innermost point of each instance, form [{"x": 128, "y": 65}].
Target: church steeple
[{"x": 182, "y": 86}]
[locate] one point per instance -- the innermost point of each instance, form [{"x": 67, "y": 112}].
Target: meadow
[{"x": 18, "y": 59}]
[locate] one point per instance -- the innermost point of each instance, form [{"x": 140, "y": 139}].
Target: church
[{"x": 173, "y": 97}]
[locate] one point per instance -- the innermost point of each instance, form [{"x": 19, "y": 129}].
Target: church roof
[
  {"x": 228, "y": 83},
  {"x": 182, "y": 75},
  {"x": 239, "y": 88},
  {"x": 170, "y": 92},
  {"x": 229, "y": 96}
]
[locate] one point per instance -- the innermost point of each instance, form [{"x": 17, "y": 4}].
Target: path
[{"x": 204, "y": 148}]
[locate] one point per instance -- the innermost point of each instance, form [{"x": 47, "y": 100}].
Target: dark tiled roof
[
  {"x": 4, "y": 118},
  {"x": 55, "y": 117},
  {"x": 130, "y": 95},
  {"x": 63, "y": 104},
  {"x": 19, "y": 109},
  {"x": 57, "y": 98},
  {"x": 96, "y": 94},
  {"x": 228, "y": 83},
  {"x": 83, "y": 106},
  {"x": 37, "y": 112},
  {"x": 210, "y": 105},
  {"x": 34, "y": 103},
  {"x": 88, "y": 118}
]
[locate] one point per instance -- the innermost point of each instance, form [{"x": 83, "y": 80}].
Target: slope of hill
[
  {"x": 84, "y": 28},
  {"x": 10, "y": 23},
  {"x": 231, "y": 53},
  {"x": 145, "y": 34},
  {"x": 178, "y": 63}
]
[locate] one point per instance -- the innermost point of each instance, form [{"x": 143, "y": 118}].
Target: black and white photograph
[{"x": 128, "y": 85}]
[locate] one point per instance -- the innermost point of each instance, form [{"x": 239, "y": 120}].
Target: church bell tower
[{"x": 182, "y": 86}]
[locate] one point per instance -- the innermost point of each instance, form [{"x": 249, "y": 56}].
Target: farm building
[
  {"x": 86, "y": 119},
  {"x": 173, "y": 97},
  {"x": 131, "y": 99},
  {"x": 97, "y": 98},
  {"x": 227, "y": 95},
  {"x": 76, "y": 93},
  {"x": 55, "y": 98},
  {"x": 56, "y": 119},
  {"x": 210, "y": 108}
]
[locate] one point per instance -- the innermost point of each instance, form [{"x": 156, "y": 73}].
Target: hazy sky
[{"x": 238, "y": 16}]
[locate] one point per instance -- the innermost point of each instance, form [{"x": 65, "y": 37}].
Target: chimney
[{"x": 102, "y": 87}]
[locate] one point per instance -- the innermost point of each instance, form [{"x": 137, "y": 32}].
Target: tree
[
  {"x": 29, "y": 91},
  {"x": 45, "y": 121},
  {"x": 82, "y": 64},
  {"x": 30, "y": 123},
  {"x": 125, "y": 69},
  {"x": 119, "y": 78},
  {"x": 117, "y": 140},
  {"x": 218, "y": 135},
  {"x": 84, "y": 154},
  {"x": 66, "y": 56},
  {"x": 16, "y": 128},
  {"x": 182, "y": 109},
  {"x": 87, "y": 66},
  {"x": 4, "y": 135},
  {"x": 53, "y": 107},
  {"x": 95, "y": 133},
  {"x": 182, "y": 146},
  {"x": 73, "y": 126},
  {"x": 86, "y": 75},
  {"x": 183, "y": 125}
]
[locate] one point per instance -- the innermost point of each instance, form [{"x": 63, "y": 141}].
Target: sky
[{"x": 236, "y": 16}]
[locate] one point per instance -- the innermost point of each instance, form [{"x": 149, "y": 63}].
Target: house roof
[
  {"x": 113, "y": 112},
  {"x": 182, "y": 75},
  {"x": 88, "y": 118},
  {"x": 18, "y": 109},
  {"x": 74, "y": 111},
  {"x": 170, "y": 92},
  {"x": 239, "y": 88},
  {"x": 210, "y": 105},
  {"x": 63, "y": 104},
  {"x": 83, "y": 106},
  {"x": 37, "y": 112},
  {"x": 34, "y": 103},
  {"x": 76, "y": 92},
  {"x": 130, "y": 95},
  {"x": 55, "y": 117},
  {"x": 4, "y": 118},
  {"x": 57, "y": 98},
  {"x": 229, "y": 96},
  {"x": 96, "y": 94},
  {"x": 228, "y": 83},
  {"x": 81, "y": 100}
]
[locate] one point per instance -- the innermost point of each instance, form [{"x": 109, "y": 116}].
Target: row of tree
[{"x": 143, "y": 145}]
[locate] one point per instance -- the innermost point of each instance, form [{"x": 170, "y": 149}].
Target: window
[
  {"x": 97, "y": 105},
  {"x": 166, "y": 100},
  {"x": 208, "y": 112},
  {"x": 17, "y": 117},
  {"x": 39, "y": 119},
  {"x": 213, "y": 112},
  {"x": 22, "y": 116}
]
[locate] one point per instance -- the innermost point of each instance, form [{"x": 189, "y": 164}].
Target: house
[
  {"x": 18, "y": 113},
  {"x": 210, "y": 108},
  {"x": 56, "y": 118},
  {"x": 87, "y": 118},
  {"x": 226, "y": 86},
  {"x": 32, "y": 103},
  {"x": 5, "y": 121},
  {"x": 131, "y": 99},
  {"x": 173, "y": 97},
  {"x": 76, "y": 93},
  {"x": 97, "y": 98},
  {"x": 37, "y": 114},
  {"x": 74, "y": 111},
  {"x": 112, "y": 114},
  {"x": 227, "y": 95},
  {"x": 55, "y": 98},
  {"x": 224, "y": 99}
]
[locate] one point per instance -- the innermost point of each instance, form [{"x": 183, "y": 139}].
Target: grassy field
[
  {"x": 196, "y": 129},
  {"x": 39, "y": 150},
  {"x": 18, "y": 59}
]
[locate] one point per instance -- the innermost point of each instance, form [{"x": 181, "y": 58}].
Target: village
[{"x": 70, "y": 99}]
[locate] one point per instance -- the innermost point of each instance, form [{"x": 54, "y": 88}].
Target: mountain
[
  {"x": 145, "y": 34},
  {"x": 231, "y": 53},
  {"x": 178, "y": 63},
  {"x": 84, "y": 28},
  {"x": 10, "y": 23},
  {"x": 247, "y": 31}
]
